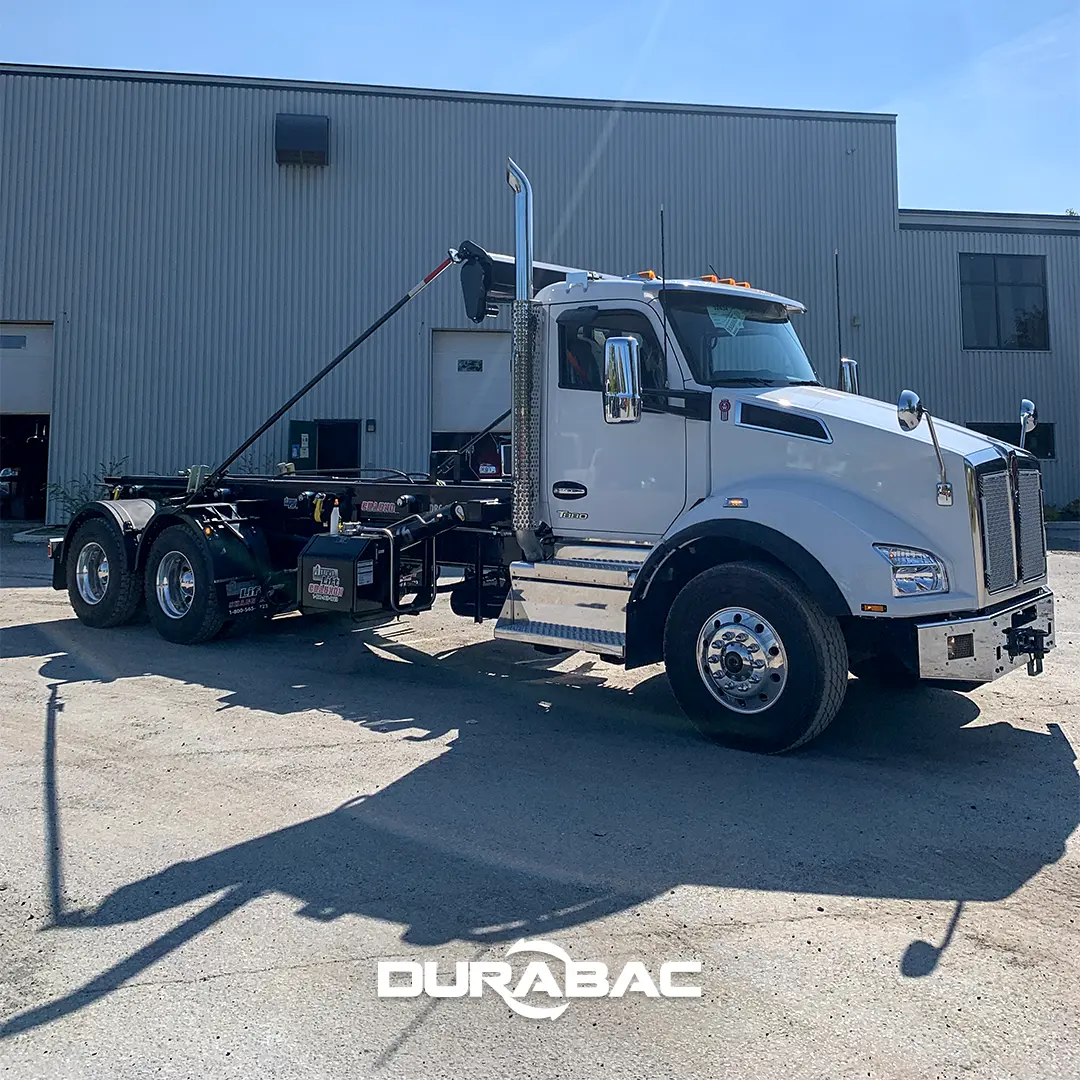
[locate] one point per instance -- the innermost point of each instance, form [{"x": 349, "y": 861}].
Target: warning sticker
[{"x": 729, "y": 319}]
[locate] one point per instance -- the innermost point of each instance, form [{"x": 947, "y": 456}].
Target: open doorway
[
  {"x": 26, "y": 367},
  {"x": 24, "y": 466}
]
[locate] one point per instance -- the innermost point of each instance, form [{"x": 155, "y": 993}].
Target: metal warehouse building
[{"x": 180, "y": 252}]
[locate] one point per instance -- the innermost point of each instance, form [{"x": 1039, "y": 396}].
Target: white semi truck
[{"x": 682, "y": 488}]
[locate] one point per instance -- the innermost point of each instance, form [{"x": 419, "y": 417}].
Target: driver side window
[{"x": 581, "y": 349}]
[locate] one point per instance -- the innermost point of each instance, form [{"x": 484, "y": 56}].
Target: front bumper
[{"x": 984, "y": 647}]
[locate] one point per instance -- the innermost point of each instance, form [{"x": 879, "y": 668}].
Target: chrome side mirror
[
  {"x": 909, "y": 410},
  {"x": 909, "y": 414},
  {"x": 1029, "y": 419},
  {"x": 849, "y": 376},
  {"x": 622, "y": 381}
]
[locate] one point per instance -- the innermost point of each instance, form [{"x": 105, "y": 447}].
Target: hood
[{"x": 876, "y": 414}]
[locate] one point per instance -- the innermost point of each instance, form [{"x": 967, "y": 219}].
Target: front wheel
[
  {"x": 181, "y": 598},
  {"x": 753, "y": 660}
]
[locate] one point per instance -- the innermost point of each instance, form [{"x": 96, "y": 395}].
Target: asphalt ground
[{"x": 205, "y": 852}]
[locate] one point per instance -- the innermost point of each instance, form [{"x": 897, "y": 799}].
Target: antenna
[
  {"x": 839, "y": 329},
  {"x": 663, "y": 284}
]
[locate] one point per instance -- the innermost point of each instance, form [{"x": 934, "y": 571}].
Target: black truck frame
[
  {"x": 215, "y": 548},
  {"x": 255, "y": 531}
]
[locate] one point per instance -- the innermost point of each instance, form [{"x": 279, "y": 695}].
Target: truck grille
[
  {"x": 995, "y": 507},
  {"x": 1014, "y": 547},
  {"x": 1029, "y": 512}
]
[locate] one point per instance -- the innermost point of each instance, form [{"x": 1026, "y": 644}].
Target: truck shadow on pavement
[{"x": 564, "y": 799}]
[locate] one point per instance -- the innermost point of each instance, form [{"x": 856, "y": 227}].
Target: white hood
[{"x": 876, "y": 414}]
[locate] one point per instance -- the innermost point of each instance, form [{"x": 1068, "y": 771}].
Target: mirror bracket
[
  {"x": 849, "y": 376},
  {"x": 1029, "y": 419},
  {"x": 910, "y": 412}
]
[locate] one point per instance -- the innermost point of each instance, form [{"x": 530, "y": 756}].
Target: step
[
  {"x": 578, "y": 551},
  {"x": 616, "y": 573},
  {"x": 578, "y": 638}
]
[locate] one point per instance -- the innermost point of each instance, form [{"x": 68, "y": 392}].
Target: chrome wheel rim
[
  {"x": 742, "y": 660},
  {"x": 174, "y": 583},
  {"x": 92, "y": 573}
]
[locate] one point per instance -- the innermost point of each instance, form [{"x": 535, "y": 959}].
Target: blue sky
[{"x": 987, "y": 92}]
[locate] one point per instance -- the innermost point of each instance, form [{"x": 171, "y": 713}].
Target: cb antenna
[{"x": 663, "y": 284}]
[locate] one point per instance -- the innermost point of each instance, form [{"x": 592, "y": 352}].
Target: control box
[{"x": 349, "y": 574}]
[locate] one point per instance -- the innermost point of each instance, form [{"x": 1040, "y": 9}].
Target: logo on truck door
[{"x": 569, "y": 489}]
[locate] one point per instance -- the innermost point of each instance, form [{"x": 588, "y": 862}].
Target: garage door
[
  {"x": 470, "y": 379},
  {"x": 26, "y": 366}
]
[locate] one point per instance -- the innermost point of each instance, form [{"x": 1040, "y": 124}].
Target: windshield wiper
[{"x": 805, "y": 382}]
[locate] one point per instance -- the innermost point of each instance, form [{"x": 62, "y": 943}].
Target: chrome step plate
[
  {"x": 578, "y": 638},
  {"x": 569, "y": 604}
]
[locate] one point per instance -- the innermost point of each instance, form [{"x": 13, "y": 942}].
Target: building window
[
  {"x": 1003, "y": 302},
  {"x": 301, "y": 140},
  {"x": 1039, "y": 442},
  {"x": 12, "y": 341}
]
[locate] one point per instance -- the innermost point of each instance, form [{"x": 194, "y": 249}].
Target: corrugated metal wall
[
  {"x": 194, "y": 283},
  {"x": 921, "y": 314}
]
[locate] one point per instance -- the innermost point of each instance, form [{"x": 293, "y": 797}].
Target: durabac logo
[{"x": 581, "y": 979}]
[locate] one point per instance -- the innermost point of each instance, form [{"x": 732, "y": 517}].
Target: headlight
[{"x": 914, "y": 572}]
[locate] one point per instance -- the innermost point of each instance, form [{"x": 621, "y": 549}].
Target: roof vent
[{"x": 301, "y": 139}]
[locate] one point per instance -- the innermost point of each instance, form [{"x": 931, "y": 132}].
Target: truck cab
[{"x": 688, "y": 490}]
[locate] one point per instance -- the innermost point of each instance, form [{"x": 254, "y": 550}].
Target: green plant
[
  {"x": 65, "y": 498},
  {"x": 1069, "y": 512},
  {"x": 264, "y": 464}
]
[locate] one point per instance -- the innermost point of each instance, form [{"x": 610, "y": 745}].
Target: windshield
[{"x": 732, "y": 341}]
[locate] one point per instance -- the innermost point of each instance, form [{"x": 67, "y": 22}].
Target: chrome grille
[
  {"x": 996, "y": 513},
  {"x": 1029, "y": 512}
]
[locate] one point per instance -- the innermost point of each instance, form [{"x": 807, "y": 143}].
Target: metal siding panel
[
  {"x": 922, "y": 325},
  {"x": 194, "y": 283}
]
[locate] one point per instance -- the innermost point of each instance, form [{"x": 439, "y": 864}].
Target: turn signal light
[
  {"x": 648, "y": 275},
  {"x": 727, "y": 281},
  {"x": 710, "y": 277}
]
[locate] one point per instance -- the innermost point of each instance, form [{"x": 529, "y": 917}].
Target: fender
[
  {"x": 237, "y": 548},
  {"x": 646, "y": 610},
  {"x": 128, "y": 516},
  {"x": 751, "y": 534}
]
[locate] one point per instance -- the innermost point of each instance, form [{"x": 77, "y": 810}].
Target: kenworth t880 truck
[{"x": 682, "y": 488}]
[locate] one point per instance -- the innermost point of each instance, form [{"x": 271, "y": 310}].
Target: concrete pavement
[{"x": 207, "y": 850}]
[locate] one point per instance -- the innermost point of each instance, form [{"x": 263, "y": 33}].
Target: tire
[
  {"x": 181, "y": 599},
  {"x": 885, "y": 671},
  {"x": 803, "y": 665},
  {"x": 101, "y": 588}
]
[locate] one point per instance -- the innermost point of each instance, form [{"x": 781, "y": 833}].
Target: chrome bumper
[{"x": 985, "y": 647}]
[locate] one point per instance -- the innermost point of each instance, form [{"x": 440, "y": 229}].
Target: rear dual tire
[
  {"x": 181, "y": 597},
  {"x": 753, "y": 660},
  {"x": 102, "y": 590}
]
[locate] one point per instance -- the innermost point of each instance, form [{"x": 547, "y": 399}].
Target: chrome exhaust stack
[{"x": 525, "y": 373}]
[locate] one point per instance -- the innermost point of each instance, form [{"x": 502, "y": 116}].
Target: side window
[{"x": 581, "y": 349}]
